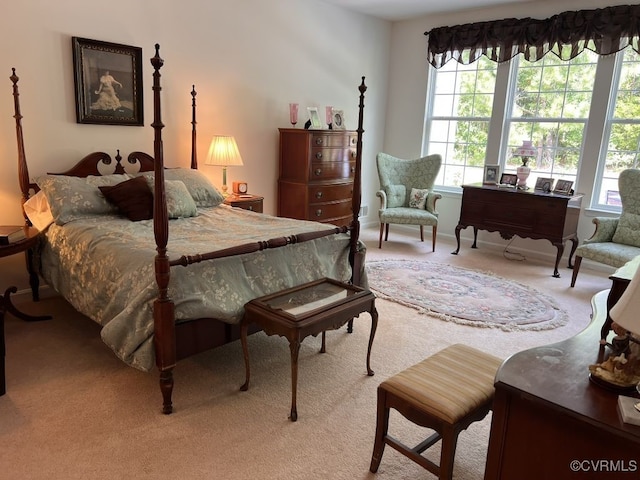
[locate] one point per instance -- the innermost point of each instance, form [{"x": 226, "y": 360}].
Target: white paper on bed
[{"x": 104, "y": 266}]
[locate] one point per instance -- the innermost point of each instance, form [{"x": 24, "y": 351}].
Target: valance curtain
[{"x": 604, "y": 30}]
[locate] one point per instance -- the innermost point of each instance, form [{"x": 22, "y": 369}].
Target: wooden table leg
[
  {"x": 9, "y": 307},
  {"x": 374, "y": 326},
  {"x": 294, "y": 346},
  {"x": 245, "y": 352}
]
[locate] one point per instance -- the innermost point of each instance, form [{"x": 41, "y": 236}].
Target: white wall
[
  {"x": 406, "y": 109},
  {"x": 247, "y": 58}
]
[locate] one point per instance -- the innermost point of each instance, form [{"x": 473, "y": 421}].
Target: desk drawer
[
  {"x": 331, "y": 171},
  {"x": 330, "y": 193},
  {"x": 324, "y": 211}
]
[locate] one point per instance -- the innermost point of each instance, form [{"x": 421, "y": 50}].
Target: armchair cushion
[
  {"x": 609, "y": 253},
  {"x": 418, "y": 198},
  {"x": 396, "y": 195},
  {"x": 628, "y": 230}
]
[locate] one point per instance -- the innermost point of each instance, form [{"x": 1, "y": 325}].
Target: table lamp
[
  {"x": 526, "y": 150},
  {"x": 223, "y": 152}
]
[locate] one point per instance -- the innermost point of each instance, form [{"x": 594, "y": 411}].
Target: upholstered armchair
[
  {"x": 406, "y": 193},
  {"x": 615, "y": 240}
]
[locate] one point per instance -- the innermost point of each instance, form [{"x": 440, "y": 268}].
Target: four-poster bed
[{"x": 155, "y": 306}]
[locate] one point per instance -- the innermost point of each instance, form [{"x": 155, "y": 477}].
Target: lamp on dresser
[
  {"x": 224, "y": 152},
  {"x": 526, "y": 151}
]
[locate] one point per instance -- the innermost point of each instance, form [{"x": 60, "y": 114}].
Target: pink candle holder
[
  {"x": 293, "y": 113},
  {"x": 328, "y": 114}
]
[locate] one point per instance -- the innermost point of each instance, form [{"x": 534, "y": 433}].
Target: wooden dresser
[
  {"x": 526, "y": 213},
  {"x": 316, "y": 175}
]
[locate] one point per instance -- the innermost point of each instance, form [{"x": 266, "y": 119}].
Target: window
[
  {"x": 621, "y": 145},
  {"x": 480, "y": 113},
  {"x": 458, "y": 119},
  {"x": 549, "y": 104}
]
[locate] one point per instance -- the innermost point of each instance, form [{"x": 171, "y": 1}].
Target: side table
[
  {"x": 25, "y": 245},
  {"x": 620, "y": 279},
  {"x": 247, "y": 202},
  {"x": 305, "y": 310}
]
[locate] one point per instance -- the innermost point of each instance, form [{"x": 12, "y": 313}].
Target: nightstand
[
  {"x": 247, "y": 202},
  {"x": 24, "y": 245}
]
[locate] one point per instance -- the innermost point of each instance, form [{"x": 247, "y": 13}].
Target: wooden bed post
[
  {"x": 163, "y": 307},
  {"x": 194, "y": 143},
  {"x": 354, "y": 258},
  {"x": 23, "y": 171}
]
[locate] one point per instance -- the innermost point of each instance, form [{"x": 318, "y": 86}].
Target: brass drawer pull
[
  {"x": 318, "y": 194},
  {"x": 353, "y": 154},
  {"x": 319, "y": 212},
  {"x": 353, "y": 169},
  {"x": 319, "y": 155},
  {"x": 318, "y": 171},
  {"x": 319, "y": 141}
]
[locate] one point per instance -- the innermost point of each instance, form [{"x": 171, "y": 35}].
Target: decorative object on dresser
[
  {"x": 245, "y": 201},
  {"x": 108, "y": 81},
  {"x": 317, "y": 169},
  {"x": 622, "y": 369},
  {"x": 528, "y": 214},
  {"x": 338, "y": 120},
  {"x": 10, "y": 234},
  {"x": 526, "y": 151},
  {"x": 508, "y": 179},
  {"x": 401, "y": 182},
  {"x": 314, "y": 118},
  {"x": 224, "y": 152},
  {"x": 544, "y": 184},
  {"x": 293, "y": 113},
  {"x": 328, "y": 116},
  {"x": 491, "y": 174},
  {"x": 563, "y": 187}
]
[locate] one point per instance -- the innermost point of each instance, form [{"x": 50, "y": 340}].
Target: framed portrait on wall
[{"x": 108, "y": 82}]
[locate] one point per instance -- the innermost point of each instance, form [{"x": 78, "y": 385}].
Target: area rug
[{"x": 463, "y": 295}]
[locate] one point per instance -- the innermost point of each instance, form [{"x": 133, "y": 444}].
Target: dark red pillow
[{"x": 133, "y": 198}]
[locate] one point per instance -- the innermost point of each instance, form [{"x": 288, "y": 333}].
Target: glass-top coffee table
[{"x": 305, "y": 310}]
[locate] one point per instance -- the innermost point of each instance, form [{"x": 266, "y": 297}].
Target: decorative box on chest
[{"x": 316, "y": 175}]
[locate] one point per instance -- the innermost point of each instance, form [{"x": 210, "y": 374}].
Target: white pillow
[
  {"x": 418, "y": 198},
  {"x": 38, "y": 211}
]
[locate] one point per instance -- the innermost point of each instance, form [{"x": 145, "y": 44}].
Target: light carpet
[
  {"x": 463, "y": 295},
  {"x": 74, "y": 411}
]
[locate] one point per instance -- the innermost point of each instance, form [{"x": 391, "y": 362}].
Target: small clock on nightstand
[{"x": 239, "y": 188}]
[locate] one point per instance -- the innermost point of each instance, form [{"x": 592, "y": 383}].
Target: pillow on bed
[
  {"x": 204, "y": 194},
  {"x": 107, "y": 180},
  {"x": 132, "y": 197},
  {"x": 71, "y": 198},
  {"x": 180, "y": 204},
  {"x": 38, "y": 211}
]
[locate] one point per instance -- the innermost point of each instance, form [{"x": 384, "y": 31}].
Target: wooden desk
[
  {"x": 526, "y": 213},
  {"x": 305, "y": 310},
  {"x": 24, "y": 245},
  {"x": 547, "y": 414}
]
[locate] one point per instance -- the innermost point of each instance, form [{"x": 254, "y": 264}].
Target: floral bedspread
[{"x": 104, "y": 266}]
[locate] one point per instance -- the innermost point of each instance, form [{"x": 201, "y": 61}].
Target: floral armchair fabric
[
  {"x": 616, "y": 240},
  {"x": 406, "y": 193}
]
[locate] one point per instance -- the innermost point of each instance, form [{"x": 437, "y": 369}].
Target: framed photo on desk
[
  {"x": 544, "y": 184},
  {"x": 491, "y": 174},
  {"x": 509, "y": 179},
  {"x": 563, "y": 187}
]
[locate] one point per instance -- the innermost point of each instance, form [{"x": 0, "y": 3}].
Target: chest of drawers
[{"x": 316, "y": 175}]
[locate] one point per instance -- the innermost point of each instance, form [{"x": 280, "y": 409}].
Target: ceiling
[{"x": 403, "y": 9}]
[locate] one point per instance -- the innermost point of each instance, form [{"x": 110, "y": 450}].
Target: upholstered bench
[{"x": 447, "y": 392}]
